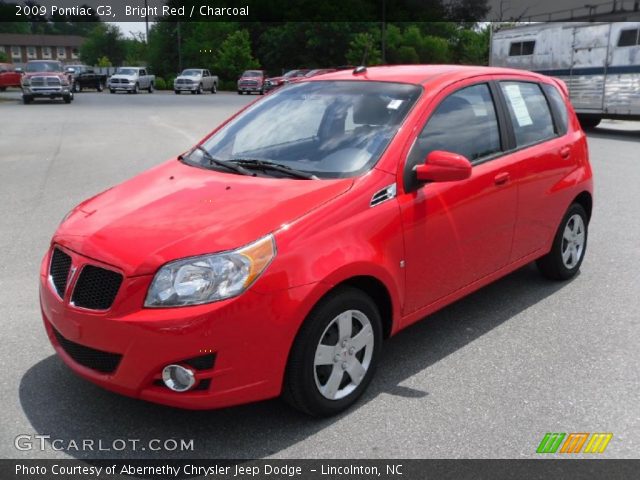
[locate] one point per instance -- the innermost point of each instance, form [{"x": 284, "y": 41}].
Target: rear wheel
[
  {"x": 214, "y": 88},
  {"x": 100, "y": 87},
  {"x": 77, "y": 87},
  {"x": 335, "y": 354},
  {"x": 569, "y": 246},
  {"x": 150, "y": 89}
]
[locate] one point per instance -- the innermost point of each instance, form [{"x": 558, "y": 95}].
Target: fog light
[{"x": 178, "y": 378}]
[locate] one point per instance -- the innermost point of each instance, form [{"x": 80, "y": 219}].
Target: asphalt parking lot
[{"x": 486, "y": 377}]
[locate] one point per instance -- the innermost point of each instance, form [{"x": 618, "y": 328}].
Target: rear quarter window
[{"x": 558, "y": 106}]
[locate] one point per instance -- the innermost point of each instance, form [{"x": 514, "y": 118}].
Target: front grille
[
  {"x": 248, "y": 83},
  {"x": 53, "y": 82},
  {"x": 96, "y": 288},
  {"x": 103, "y": 362},
  {"x": 59, "y": 270},
  {"x": 183, "y": 81}
]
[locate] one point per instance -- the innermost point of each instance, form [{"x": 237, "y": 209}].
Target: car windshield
[
  {"x": 252, "y": 73},
  {"x": 330, "y": 129},
  {"x": 126, "y": 71},
  {"x": 44, "y": 67},
  {"x": 191, "y": 73},
  {"x": 293, "y": 73}
]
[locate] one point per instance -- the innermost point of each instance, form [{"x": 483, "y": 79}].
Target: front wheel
[
  {"x": 27, "y": 99},
  {"x": 177, "y": 92},
  {"x": 112, "y": 90},
  {"x": 136, "y": 88},
  {"x": 67, "y": 98},
  {"x": 569, "y": 246},
  {"x": 335, "y": 354}
]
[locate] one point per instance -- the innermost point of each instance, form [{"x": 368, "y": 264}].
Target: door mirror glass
[{"x": 441, "y": 166}]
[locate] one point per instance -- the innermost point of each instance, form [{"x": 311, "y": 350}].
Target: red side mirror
[{"x": 441, "y": 166}]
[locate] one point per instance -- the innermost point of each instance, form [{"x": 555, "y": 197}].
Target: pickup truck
[
  {"x": 251, "y": 81},
  {"x": 8, "y": 76},
  {"x": 46, "y": 79},
  {"x": 131, "y": 80},
  {"x": 195, "y": 80},
  {"x": 86, "y": 77}
]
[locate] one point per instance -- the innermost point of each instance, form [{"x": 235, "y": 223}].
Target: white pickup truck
[
  {"x": 131, "y": 80},
  {"x": 196, "y": 80}
]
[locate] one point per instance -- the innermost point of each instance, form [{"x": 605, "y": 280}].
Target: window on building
[
  {"x": 75, "y": 53},
  {"x": 31, "y": 52},
  {"x": 46, "y": 52},
  {"x": 16, "y": 52},
  {"x": 518, "y": 49},
  {"x": 2, "y": 49},
  {"x": 629, "y": 37},
  {"x": 529, "y": 111},
  {"x": 62, "y": 52}
]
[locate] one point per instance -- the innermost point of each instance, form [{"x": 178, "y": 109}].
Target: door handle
[
  {"x": 501, "y": 178},
  {"x": 565, "y": 152}
]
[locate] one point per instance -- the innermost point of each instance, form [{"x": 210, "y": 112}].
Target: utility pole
[
  {"x": 146, "y": 20},
  {"x": 384, "y": 33},
  {"x": 179, "y": 49}
]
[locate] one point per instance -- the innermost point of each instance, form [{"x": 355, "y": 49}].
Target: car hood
[
  {"x": 175, "y": 210},
  {"x": 189, "y": 77},
  {"x": 120, "y": 75},
  {"x": 44, "y": 74}
]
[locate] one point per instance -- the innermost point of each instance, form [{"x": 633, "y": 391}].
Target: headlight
[{"x": 208, "y": 278}]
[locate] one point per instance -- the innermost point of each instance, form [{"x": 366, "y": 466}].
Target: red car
[
  {"x": 8, "y": 76},
  {"x": 272, "y": 83},
  {"x": 46, "y": 79},
  {"x": 276, "y": 256}
]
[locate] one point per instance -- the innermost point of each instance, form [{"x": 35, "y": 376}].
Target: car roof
[{"x": 421, "y": 74}]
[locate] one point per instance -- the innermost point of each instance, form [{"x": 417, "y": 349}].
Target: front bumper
[
  {"x": 186, "y": 88},
  {"x": 122, "y": 86},
  {"x": 250, "y": 337},
  {"x": 48, "y": 92},
  {"x": 245, "y": 88}
]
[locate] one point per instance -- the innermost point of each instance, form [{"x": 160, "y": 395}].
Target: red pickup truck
[
  {"x": 251, "y": 81},
  {"x": 8, "y": 76}
]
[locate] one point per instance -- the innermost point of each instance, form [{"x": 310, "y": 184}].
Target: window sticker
[
  {"x": 519, "y": 106},
  {"x": 394, "y": 104}
]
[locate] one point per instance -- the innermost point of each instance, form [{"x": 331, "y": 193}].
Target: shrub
[{"x": 160, "y": 84}]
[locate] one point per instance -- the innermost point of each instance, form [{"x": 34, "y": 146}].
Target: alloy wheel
[
  {"x": 343, "y": 354},
  {"x": 573, "y": 239}
]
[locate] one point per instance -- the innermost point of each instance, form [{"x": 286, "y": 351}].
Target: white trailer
[{"x": 598, "y": 61}]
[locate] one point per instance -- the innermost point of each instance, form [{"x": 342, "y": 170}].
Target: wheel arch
[{"x": 586, "y": 201}]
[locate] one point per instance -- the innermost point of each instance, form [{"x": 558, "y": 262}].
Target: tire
[
  {"x": 214, "y": 88},
  {"x": 261, "y": 92},
  {"x": 136, "y": 89},
  {"x": 77, "y": 87},
  {"x": 2, "y": 89},
  {"x": 199, "y": 91},
  {"x": 112, "y": 90},
  {"x": 100, "y": 87},
  {"x": 239, "y": 92},
  {"x": 67, "y": 98},
  {"x": 26, "y": 99},
  {"x": 150, "y": 89},
  {"x": 589, "y": 121},
  {"x": 569, "y": 246},
  {"x": 327, "y": 388},
  {"x": 177, "y": 92}
]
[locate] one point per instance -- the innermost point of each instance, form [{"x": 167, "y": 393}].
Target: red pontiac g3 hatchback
[{"x": 275, "y": 256}]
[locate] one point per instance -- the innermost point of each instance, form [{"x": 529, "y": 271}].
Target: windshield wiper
[
  {"x": 278, "y": 167},
  {"x": 222, "y": 163}
]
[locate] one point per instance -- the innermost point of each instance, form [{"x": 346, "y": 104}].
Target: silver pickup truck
[
  {"x": 131, "y": 80},
  {"x": 195, "y": 80}
]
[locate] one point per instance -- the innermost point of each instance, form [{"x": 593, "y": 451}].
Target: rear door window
[
  {"x": 558, "y": 106},
  {"x": 529, "y": 112}
]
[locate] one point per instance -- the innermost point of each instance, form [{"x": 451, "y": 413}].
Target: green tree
[
  {"x": 235, "y": 55},
  {"x": 104, "y": 62},
  {"x": 4, "y": 58},
  {"x": 364, "y": 48},
  {"x": 104, "y": 40}
]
